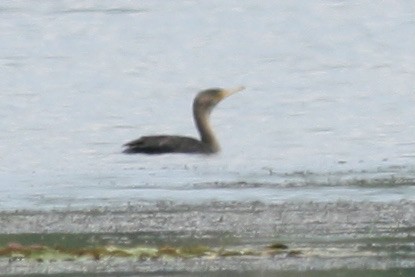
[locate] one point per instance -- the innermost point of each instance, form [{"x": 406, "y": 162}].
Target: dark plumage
[
  {"x": 166, "y": 144},
  {"x": 203, "y": 104}
]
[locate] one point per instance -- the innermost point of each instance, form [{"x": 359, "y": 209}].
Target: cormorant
[{"x": 203, "y": 104}]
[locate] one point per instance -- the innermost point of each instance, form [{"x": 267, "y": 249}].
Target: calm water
[{"x": 329, "y": 98}]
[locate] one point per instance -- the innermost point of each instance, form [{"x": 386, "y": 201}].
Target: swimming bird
[{"x": 203, "y": 105}]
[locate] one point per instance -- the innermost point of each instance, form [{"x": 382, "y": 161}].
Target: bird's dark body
[
  {"x": 203, "y": 104},
  {"x": 166, "y": 144}
]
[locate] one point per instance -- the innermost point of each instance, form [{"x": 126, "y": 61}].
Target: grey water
[
  {"x": 320, "y": 146},
  {"x": 329, "y": 100}
]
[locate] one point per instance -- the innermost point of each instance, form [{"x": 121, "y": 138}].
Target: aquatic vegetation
[{"x": 17, "y": 251}]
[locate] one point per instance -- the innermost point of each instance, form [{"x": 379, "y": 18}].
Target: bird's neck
[{"x": 205, "y": 130}]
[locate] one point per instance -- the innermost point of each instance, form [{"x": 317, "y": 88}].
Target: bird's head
[{"x": 207, "y": 99}]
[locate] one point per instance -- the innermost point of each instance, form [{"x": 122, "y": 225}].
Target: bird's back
[{"x": 166, "y": 144}]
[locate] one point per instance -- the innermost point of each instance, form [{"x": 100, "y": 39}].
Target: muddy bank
[{"x": 345, "y": 236}]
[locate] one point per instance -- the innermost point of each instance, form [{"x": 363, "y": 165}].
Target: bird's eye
[{"x": 206, "y": 100}]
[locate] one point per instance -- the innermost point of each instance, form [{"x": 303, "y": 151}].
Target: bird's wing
[{"x": 162, "y": 144}]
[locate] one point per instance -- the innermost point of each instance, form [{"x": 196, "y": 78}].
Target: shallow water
[
  {"x": 339, "y": 237},
  {"x": 327, "y": 115}
]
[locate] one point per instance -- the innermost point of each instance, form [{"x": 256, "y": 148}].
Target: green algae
[{"x": 17, "y": 251}]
